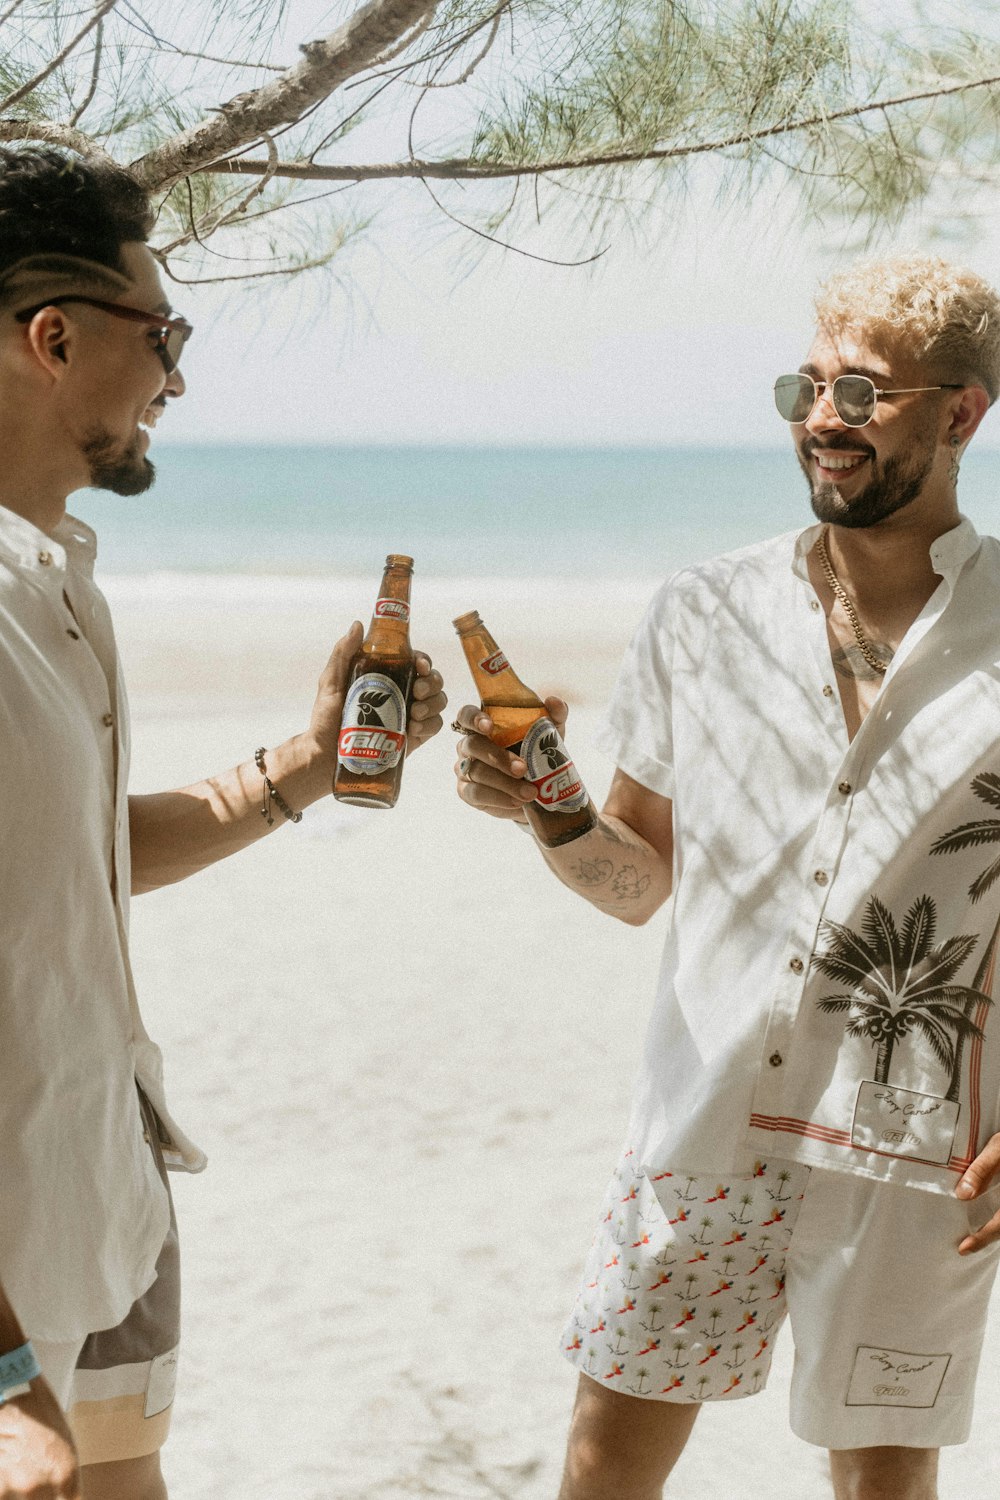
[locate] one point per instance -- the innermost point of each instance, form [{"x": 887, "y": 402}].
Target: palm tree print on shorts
[
  {"x": 969, "y": 836},
  {"x": 897, "y": 982}
]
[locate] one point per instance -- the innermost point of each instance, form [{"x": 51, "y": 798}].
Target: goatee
[
  {"x": 122, "y": 469},
  {"x": 894, "y": 484}
]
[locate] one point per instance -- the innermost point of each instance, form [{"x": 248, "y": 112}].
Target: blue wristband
[{"x": 16, "y": 1369}]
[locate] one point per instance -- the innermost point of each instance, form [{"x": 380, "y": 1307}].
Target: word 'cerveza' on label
[
  {"x": 495, "y": 664},
  {"x": 550, "y": 768},
  {"x": 373, "y": 729},
  {"x": 392, "y": 609}
]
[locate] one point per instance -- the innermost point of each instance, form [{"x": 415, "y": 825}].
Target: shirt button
[
  {"x": 776, "y": 1059},
  {"x": 814, "y": 604},
  {"x": 821, "y": 877},
  {"x": 827, "y": 690},
  {"x": 796, "y": 965},
  {"x": 845, "y": 789},
  {"x": 45, "y": 558},
  {"x": 74, "y": 634},
  {"x": 107, "y": 720}
]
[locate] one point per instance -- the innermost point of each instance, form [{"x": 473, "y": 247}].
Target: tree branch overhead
[{"x": 325, "y": 66}]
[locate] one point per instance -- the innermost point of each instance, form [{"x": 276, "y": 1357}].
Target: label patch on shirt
[
  {"x": 161, "y": 1384},
  {"x": 891, "y": 1377},
  {"x": 902, "y": 1122}
]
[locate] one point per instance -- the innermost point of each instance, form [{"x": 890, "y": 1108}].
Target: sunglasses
[
  {"x": 171, "y": 333},
  {"x": 854, "y": 397}
]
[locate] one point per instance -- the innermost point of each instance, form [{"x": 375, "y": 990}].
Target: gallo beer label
[
  {"x": 495, "y": 664},
  {"x": 373, "y": 729},
  {"x": 393, "y": 609},
  {"x": 550, "y": 768}
]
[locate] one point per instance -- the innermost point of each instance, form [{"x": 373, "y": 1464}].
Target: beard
[
  {"x": 894, "y": 484},
  {"x": 116, "y": 466}
]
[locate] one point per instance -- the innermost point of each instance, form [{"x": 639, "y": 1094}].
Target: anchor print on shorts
[{"x": 683, "y": 1290}]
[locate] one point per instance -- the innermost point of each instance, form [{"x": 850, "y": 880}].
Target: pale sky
[{"x": 420, "y": 337}]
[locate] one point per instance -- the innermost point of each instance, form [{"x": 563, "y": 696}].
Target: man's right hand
[
  {"x": 37, "y": 1458},
  {"x": 489, "y": 778}
]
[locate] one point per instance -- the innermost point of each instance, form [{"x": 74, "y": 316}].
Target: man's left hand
[
  {"x": 428, "y": 706},
  {"x": 979, "y": 1176},
  {"x": 426, "y": 709}
]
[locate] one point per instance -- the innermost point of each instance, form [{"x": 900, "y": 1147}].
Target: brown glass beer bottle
[
  {"x": 562, "y": 809},
  {"x": 372, "y": 744}
]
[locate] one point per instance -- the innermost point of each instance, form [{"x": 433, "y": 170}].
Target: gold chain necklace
[{"x": 864, "y": 644}]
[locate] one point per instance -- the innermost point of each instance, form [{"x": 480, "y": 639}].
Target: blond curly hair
[{"x": 947, "y": 315}]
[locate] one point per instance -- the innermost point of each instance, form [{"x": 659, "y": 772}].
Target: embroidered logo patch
[
  {"x": 891, "y": 1377},
  {"x": 901, "y": 1122}
]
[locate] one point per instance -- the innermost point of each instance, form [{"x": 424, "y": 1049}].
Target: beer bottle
[
  {"x": 562, "y": 809},
  {"x": 372, "y": 743}
]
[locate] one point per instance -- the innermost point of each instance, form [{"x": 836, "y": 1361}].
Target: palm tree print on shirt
[
  {"x": 969, "y": 836},
  {"x": 901, "y": 981},
  {"x": 982, "y": 831}
]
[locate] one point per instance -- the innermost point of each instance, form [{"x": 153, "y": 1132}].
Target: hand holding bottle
[
  {"x": 489, "y": 777},
  {"x": 517, "y": 722}
]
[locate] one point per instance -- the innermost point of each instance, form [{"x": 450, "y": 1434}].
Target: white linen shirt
[
  {"x": 830, "y": 964},
  {"x": 83, "y": 1212}
]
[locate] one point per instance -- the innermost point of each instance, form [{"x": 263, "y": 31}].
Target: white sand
[{"x": 409, "y": 1131}]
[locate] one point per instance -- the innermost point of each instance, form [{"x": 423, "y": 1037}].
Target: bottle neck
[
  {"x": 389, "y": 631},
  {"x": 493, "y": 674}
]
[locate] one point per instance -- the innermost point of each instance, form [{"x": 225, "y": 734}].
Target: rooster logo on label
[
  {"x": 550, "y": 768},
  {"x": 373, "y": 729}
]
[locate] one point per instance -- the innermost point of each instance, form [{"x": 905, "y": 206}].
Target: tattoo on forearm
[
  {"x": 849, "y": 662},
  {"x": 612, "y": 883},
  {"x": 626, "y": 883}
]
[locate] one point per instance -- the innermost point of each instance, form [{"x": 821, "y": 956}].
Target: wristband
[
  {"x": 17, "y": 1370},
  {"x": 271, "y": 794}
]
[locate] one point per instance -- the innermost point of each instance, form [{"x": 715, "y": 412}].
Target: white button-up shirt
[
  {"x": 827, "y": 986},
  {"x": 83, "y": 1213}
]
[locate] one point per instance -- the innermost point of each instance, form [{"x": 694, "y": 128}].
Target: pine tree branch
[
  {"x": 100, "y": 11},
  {"x": 53, "y": 135},
  {"x": 467, "y": 168},
  {"x": 95, "y": 74},
  {"x": 326, "y": 64},
  {"x": 15, "y": 5}
]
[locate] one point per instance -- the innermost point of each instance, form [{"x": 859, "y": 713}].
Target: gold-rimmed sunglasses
[
  {"x": 172, "y": 333},
  {"x": 854, "y": 397}
]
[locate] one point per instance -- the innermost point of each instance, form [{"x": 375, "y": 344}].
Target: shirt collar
[
  {"x": 949, "y": 552},
  {"x": 47, "y": 554}
]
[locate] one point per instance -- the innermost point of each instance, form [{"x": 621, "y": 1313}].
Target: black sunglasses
[
  {"x": 854, "y": 397},
  {"x": 172, "y": 333}
]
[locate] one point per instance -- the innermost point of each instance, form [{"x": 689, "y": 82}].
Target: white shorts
[{"x": 689, "y": 1280}]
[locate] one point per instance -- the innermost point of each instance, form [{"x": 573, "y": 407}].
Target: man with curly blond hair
[{"x": 805, "y": 734}]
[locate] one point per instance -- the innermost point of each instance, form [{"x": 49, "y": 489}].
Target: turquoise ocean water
[{"x": 507, "y": 512}]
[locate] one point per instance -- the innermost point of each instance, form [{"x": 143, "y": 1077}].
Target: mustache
[{"x": 839, "y": 444}]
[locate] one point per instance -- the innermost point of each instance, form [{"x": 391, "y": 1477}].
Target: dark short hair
[{"x": 54, "y": 202}]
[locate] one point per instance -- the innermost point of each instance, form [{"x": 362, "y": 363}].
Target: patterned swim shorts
[
  {"x": 690, "y": 1278},
  {"x": 684, "y": 1288}
]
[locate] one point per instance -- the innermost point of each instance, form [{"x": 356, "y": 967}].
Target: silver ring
[{"x": 463, "y": 767}]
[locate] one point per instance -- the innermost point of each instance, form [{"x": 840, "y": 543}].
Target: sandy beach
[{"x": 408, "y": 1053}]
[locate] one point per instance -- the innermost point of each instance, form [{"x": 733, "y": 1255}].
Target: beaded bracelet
[{"x": 271, "y": 794}]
